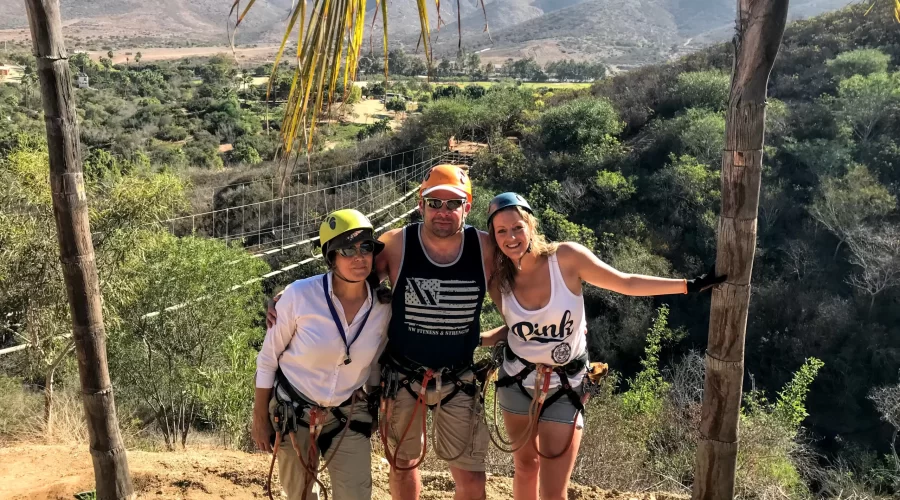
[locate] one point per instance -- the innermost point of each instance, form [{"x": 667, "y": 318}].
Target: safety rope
[
  {"x": 543, "y": 373},
  {"x": 317, "y": 419},
  {"x": 384, "y": 426},
  {"x": 541, "y": 388},
  {"x": 272, "y": 464}
]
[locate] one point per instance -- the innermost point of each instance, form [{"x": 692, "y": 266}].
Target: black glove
[{"x": 705, "y": 281}]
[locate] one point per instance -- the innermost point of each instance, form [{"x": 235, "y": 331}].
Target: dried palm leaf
[{"x": 328, "y": 51}]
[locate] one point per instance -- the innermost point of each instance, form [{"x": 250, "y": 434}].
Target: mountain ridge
[{"x": 614, "y": 31}]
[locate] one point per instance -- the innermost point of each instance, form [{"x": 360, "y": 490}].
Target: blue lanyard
[{"x": 337, "y": 320}]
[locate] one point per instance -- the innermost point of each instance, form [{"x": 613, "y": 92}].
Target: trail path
[{"x": 45, "y": 472}]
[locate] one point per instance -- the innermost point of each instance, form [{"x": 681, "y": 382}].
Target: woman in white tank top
[{"x": 538, "y": 288}]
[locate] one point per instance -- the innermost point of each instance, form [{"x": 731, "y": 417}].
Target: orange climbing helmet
[{"x": 447, "y": 177}]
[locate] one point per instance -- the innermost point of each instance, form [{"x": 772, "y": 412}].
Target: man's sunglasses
[
  {"x": 437, "y": 203},
  {"x": 364, "y": 248}
]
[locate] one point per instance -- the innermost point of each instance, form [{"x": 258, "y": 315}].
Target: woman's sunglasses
[
  {"x": 437, "y": 203},
  {"x": 364, "y": 248}
]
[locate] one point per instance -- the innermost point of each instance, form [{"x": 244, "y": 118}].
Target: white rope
[
  {"x": 315, "y": 172},
  {"x": 273, "y": 273},
  {"x": 310, "y": 240},
  {"x": 302, "y": 230},
  {"x": 20, "y": 347},
  {"x": 411, "y": 172},
  {"x": 296, "y": 195},
  {"x": 403, "y": 175}
]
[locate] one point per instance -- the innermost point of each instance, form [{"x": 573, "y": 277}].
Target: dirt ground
[{"x": 45, "y": 472}]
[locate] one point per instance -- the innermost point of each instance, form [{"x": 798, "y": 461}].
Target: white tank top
[{"x": 552, "y": 335}]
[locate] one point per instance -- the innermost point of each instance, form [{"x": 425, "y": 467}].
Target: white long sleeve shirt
[{"x": 307, "y": 345}]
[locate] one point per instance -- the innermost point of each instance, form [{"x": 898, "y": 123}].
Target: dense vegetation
[
  {"x": 468, "y": 66},
  {"x": 629, "y": 168}
]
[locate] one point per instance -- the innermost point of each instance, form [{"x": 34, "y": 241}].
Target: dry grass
[{"x": 22, "y": 416}]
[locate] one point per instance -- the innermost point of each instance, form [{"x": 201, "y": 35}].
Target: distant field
[
  {"x": 245, "y": 55},
  {"x": 530, "y": 85}
]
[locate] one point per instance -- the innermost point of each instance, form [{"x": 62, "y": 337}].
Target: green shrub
[
  {"x": 646, "y": 391},
  {"x": 396, "y": 104},
  {"x": 703, "y": 89},
  {"x": 578, "y": 124},
  {"x": 858, "y": 62}
]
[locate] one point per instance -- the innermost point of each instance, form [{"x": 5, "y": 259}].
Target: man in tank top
[{"x": 439, "y": 270}]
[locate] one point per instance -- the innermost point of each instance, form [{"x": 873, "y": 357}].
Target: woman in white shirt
[
  {"x": 538, "y": 288},
  {"x": 315, "y": 362}
]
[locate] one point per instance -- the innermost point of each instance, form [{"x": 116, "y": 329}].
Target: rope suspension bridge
[{"x": 383, "y": 188}]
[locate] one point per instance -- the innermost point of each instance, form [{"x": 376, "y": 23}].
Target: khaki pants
[
  {"x": 350, "y": 469},
  {"x": 459, "y": 427}
]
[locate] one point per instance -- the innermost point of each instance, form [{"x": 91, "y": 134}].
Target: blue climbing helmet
[{"x": 506, "y": 200}]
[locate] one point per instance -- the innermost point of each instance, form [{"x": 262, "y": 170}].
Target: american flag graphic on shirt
[{"x": 440, "y": 307}]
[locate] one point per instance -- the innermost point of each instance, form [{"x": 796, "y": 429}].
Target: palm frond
[
  {"x": 328, "y": 52},
  {"x": 896, "y": 9},
  {"x": 486, "y": 30}
]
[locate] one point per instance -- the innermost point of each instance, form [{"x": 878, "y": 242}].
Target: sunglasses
[
  {"x": 364, "y": 248},
  {"x": 437, "y": 203}
]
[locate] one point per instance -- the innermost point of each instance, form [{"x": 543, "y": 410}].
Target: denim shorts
[{"x": 512, "y": 400}]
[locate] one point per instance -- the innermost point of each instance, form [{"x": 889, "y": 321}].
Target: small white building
[
  {"x": 10, "y": 73},
  {"x": 83, "y": 81}
]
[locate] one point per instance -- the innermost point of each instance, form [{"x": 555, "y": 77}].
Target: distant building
[
  {"x": 388, "y": 96},
  {"x": 83, "y": 81},
  {"x": 10, "y": 73}
]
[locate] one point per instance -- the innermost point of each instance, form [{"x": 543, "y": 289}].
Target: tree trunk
[
  {"x": 760, "y": 26},
  {"x": 894, "y": 449},
  {"x": 77, "y": 250}
]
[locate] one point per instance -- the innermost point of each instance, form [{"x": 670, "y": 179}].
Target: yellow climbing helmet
[{"x": 345, "y": 228}]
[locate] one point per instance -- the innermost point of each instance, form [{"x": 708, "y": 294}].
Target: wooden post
[
  {"x": 760, "y": 26},
  {"x": 76, "y": 250}
]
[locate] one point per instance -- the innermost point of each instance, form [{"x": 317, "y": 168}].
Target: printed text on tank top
[
  {"x": 544, "y": 333},
  {"x": 437, "y": 305},
  {"x": 553, "y": 334}
]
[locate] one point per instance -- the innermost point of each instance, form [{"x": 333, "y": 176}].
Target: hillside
[
  {"x": 629, "y": 168},
  {"x": 615, "y": 31},
  {"x": 193, "y": 20}
]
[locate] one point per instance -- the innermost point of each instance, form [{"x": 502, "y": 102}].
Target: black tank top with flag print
[{"x": 436, "y": 310}]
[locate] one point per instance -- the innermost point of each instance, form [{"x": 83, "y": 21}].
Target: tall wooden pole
[
  {"x": 760, "y": 26},
  {"x": 76, "y": 251}
]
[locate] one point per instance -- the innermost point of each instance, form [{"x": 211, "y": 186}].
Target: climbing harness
[
  {"x": 288, "y": 414},
  {"x": 396, "y": 375},
  {"x": 540, "y": 401}
]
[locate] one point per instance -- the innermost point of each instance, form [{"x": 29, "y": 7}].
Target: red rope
[{"x": 422, "y": 402}]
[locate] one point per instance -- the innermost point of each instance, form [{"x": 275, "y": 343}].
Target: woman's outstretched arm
[{"x": 598, "y": 273}]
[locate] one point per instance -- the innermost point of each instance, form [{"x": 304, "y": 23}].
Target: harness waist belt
[
  {"x": 296, "y": 397},
  {"x": 326, "y": 437},
  {"x": 571, "y": 368},
  {"x": 417, "y": 374},
  {"x": 563, "y": 371}
]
